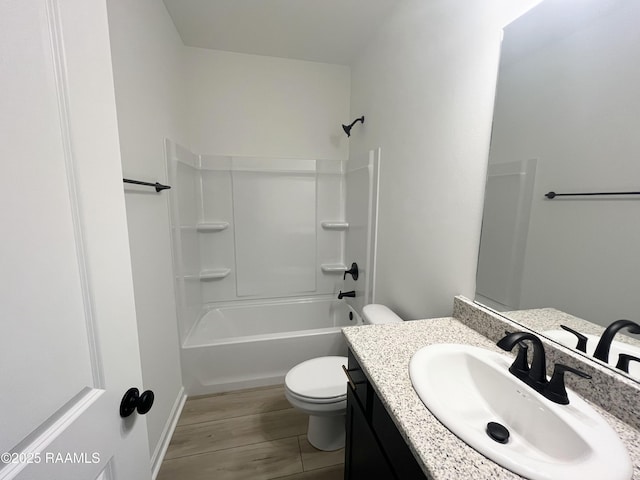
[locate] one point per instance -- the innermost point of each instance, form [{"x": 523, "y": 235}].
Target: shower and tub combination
[{"x": 260, "y": 250}]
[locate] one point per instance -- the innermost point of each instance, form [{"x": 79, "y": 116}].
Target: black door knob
[
  {"x": 133, "y": 400},
  {"x": 145, "y": 402}
]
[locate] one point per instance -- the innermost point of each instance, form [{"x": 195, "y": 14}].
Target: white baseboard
[{"x": 167, "y": 433}]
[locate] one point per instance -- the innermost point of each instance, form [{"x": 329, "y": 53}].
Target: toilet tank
[{"x": 376, "y": 314}]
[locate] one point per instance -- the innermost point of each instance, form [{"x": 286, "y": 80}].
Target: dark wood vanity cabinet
[{"x": 374, "y": 447}]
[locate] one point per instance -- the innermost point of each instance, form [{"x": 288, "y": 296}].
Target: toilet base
[{"x": 326, "y": 432}]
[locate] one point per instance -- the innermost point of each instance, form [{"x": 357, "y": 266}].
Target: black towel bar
[{"x": 159, "y": 187}]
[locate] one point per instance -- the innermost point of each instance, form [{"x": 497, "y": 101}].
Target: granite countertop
[{"x": 384, "y": 351}]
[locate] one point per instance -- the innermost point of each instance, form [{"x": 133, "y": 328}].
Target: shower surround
[{"x": 259, "y": 250}]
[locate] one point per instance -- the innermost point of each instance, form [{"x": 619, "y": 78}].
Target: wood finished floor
[{"x": 249, "y": 434}]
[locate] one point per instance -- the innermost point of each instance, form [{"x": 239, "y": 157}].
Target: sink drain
[{"x": 498, "y": 432}]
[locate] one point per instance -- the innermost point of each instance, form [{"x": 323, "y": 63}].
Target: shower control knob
[
  {"x": 133, "y": 400},
  {"x": 353, "y": 271}
]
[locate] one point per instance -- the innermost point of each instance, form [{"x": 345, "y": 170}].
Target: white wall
[
  {"x": 574, "y": 106},
  {"x": 426, "y": 86},
  {"x": 146, "y": 52},
  {"x": 250, "y": 105}
]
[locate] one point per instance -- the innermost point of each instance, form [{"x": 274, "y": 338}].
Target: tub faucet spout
[{"x": 342, "y": 294}]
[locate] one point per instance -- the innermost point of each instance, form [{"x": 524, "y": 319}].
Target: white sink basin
[
  {"x": 466, "y": 387},
  {"x": 569, "y": 340}
]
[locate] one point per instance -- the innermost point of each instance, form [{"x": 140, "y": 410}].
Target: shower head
[{"x": 347, "y": 128}]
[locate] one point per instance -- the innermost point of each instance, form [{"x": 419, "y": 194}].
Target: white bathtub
[{"x": 237, "y": 346}]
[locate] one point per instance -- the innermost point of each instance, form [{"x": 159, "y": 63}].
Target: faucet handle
[
  {"x": 623, "y": 361},
  {"x": 555, "y": 389},
  {"x": 582, "y": 340}
]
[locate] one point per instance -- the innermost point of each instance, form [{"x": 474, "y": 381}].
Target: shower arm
[{"x": 347, "y": 128}]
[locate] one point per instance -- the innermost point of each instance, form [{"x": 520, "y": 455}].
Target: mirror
[{"x": 566, "y": 120}]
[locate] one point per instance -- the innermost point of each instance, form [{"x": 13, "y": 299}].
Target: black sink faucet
[
  {"x": 537, "y": 376},
  {"x": 604, "y": 345}
]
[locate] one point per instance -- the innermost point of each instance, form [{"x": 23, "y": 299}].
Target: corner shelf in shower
[
  {"x": 335, "y": 225},
  {"x": 213, "y": 274},
  {"x": 333, "y": 267},
  {"x": 212, "y": 226}
]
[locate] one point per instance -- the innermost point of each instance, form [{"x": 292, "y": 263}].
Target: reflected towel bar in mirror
[{"x": 552, "y": 195}]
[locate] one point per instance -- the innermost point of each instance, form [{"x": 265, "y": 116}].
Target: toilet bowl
[{"x": 318, "y": 387}]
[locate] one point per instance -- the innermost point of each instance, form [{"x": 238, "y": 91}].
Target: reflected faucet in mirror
[
  {"x": 582, "y": 340},
  {"x": 604, "y": 345},
  {"x": 623, "y": 361}
]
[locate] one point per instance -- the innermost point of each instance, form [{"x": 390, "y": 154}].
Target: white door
[{"x": 68, "y": 344}]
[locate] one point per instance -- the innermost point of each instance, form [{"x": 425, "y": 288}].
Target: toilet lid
[{"x": 318, "y": 378}]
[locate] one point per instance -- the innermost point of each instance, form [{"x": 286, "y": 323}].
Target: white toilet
[{"x": 318, "y": 387}]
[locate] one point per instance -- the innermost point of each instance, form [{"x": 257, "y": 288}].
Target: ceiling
[{"x": 330, "y": 31}]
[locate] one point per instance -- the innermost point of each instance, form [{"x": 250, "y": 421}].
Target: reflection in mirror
[{"x": 567, "y": 120}]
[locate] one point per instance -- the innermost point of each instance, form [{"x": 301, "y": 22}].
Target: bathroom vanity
[
  {"x": 374, "y": 446},
  {"x": 390, "y": 432}
]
